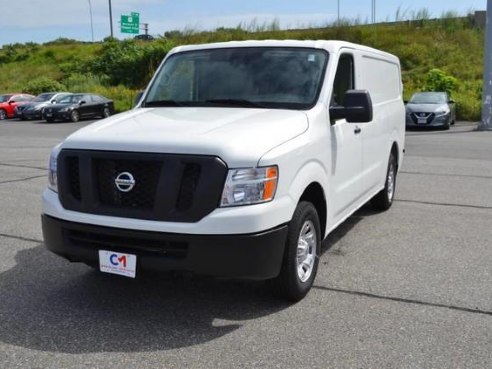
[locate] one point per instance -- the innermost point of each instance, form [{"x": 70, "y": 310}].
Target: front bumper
[
  {"x": 57, "y": 115},
  {"x": 433, "y": 121},
  {"x": 31, "y": 114},
  {"x": 250, "y": 256}
]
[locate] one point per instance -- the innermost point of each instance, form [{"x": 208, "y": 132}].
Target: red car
[{"x": 8, "y": 102}]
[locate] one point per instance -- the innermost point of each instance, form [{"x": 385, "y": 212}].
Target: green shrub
[
  {"x": 122, "y": 96},
  {"x": 128, "y": 62},
  {"x": 437, "y": 80},
  {"x": 42, "y": 84},
  {"x": 468, "y": 107}
]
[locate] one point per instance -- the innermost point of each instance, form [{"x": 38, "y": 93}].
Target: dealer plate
[{"x": 117, "y": 263}]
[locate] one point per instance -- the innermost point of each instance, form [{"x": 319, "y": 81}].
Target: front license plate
[
  {"x": 49, "y": 114},
  {"x": 422, "y": 121},
  {"x": 117, "y": 263}
]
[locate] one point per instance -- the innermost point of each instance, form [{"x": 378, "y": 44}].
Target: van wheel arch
[
  {"x": 384, "y": 199},
  {"x": 315, "y": 194},
  {"x": 396, "y": 152}
]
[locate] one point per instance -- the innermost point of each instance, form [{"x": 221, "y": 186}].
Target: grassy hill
[{"x": 118, "y": 69}]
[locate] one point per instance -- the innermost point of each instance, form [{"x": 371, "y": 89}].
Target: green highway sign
[{"x": 130, "y": 23}]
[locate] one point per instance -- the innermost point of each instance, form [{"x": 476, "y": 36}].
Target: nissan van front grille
[
  {"x": 167, "y": 187},
  {"x": 141, "y": 196}
]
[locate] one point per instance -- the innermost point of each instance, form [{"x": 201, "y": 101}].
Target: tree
[{"x": 437, "y": 80}]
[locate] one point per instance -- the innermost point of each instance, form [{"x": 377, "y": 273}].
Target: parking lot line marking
[
  {"x": 444, "y": 204},
  {"x": 22, "y": 179},
  {"x": 22, "y": 166},
  {"x": 447, "y": 175},
  {"x": 403, "y": 300},
  {"x": 20, "y": 238}
]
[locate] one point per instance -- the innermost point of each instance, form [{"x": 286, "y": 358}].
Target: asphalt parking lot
[{"x": 408, "y": 288}]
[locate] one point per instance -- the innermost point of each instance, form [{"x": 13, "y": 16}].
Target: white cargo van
[{"x": 239, "y": 159}]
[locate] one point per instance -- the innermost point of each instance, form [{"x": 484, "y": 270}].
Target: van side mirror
[
  {"x": 357, "y": 109},
  {"x": 451, "y": 101}
]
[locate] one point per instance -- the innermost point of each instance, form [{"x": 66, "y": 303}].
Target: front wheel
[
  {"x": 301, "y": 255},
  {"x": 3, "y": 114},
  {"x": 74, "y": 116},
  {"x": 384, "y": 199}
]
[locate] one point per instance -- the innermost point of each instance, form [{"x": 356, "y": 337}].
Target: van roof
[{"x": 332, "y": 46}]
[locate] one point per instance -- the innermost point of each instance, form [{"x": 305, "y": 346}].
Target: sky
[{"x": 45, "y": 20}]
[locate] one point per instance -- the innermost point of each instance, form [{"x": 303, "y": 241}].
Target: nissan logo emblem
[{"x": 124, "y": 182}]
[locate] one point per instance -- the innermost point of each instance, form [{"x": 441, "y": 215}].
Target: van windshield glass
[{"x": 256, "y": 77}]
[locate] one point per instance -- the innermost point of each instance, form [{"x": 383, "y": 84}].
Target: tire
[
  {"x": 301, "y": 255},
  {"x": 106, "y": 113},
  {"x": 75, "y": 116},
  {"x": 384, "y": 199},
  {"x": 3, "y": 114}
]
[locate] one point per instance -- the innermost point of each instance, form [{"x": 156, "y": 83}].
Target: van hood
[{"x": 239, "y": 136}]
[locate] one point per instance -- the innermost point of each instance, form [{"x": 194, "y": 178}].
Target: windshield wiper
[
  {"x": 236, "y": 102},
  {"x": 165, "y": 103}
]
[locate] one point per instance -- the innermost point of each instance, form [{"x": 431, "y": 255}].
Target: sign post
[
  {"x": 130, "y": 23},
  {"x": 486, "y": 123}
]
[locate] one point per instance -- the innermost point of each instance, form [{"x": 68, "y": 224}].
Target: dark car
[
  {"x": 34, "y": 108},
  {"x": 144, "y": 37},
  {"x": 430, "y": 109},
  {"x": 9, "y": 102},
  {"x": 78, "y": 106}
]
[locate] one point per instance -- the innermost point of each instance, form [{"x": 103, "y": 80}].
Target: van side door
[
  {"x": 346, "y": 145},
  {"x": 381, "y": 77}
]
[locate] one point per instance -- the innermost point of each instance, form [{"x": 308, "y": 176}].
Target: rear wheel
[
  {"x": 74, "y": 116},
  {"x": 301, "y": 255},
  {"x": 384, "y": 199},
  {"x": 3, "y": 114}
]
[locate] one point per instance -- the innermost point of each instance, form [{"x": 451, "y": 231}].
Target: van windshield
[{"x": 256, "y": 77}]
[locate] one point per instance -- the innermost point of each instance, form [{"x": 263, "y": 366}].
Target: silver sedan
[{"x": 430, "y": 109}]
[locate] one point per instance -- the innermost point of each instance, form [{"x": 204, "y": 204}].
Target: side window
[
  {"x": 97, "y": 99},
  {"x": 60, "y": 97},
  {"x": 344, "y": 79}
]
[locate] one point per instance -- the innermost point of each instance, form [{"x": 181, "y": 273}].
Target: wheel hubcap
[
  {"x": 306, "y": 251},
  {"x": 391, "y": 181}
]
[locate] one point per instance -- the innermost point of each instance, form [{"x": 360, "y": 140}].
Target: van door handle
[{"x": 357, "y": 130}]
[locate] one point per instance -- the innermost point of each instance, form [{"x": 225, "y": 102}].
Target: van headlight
[
  {"x": 52, "y": 170},
  {"x": 249, "y": 186}
]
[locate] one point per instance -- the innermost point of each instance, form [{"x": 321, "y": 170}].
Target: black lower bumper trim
[{"x": 250, "y": 256}]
